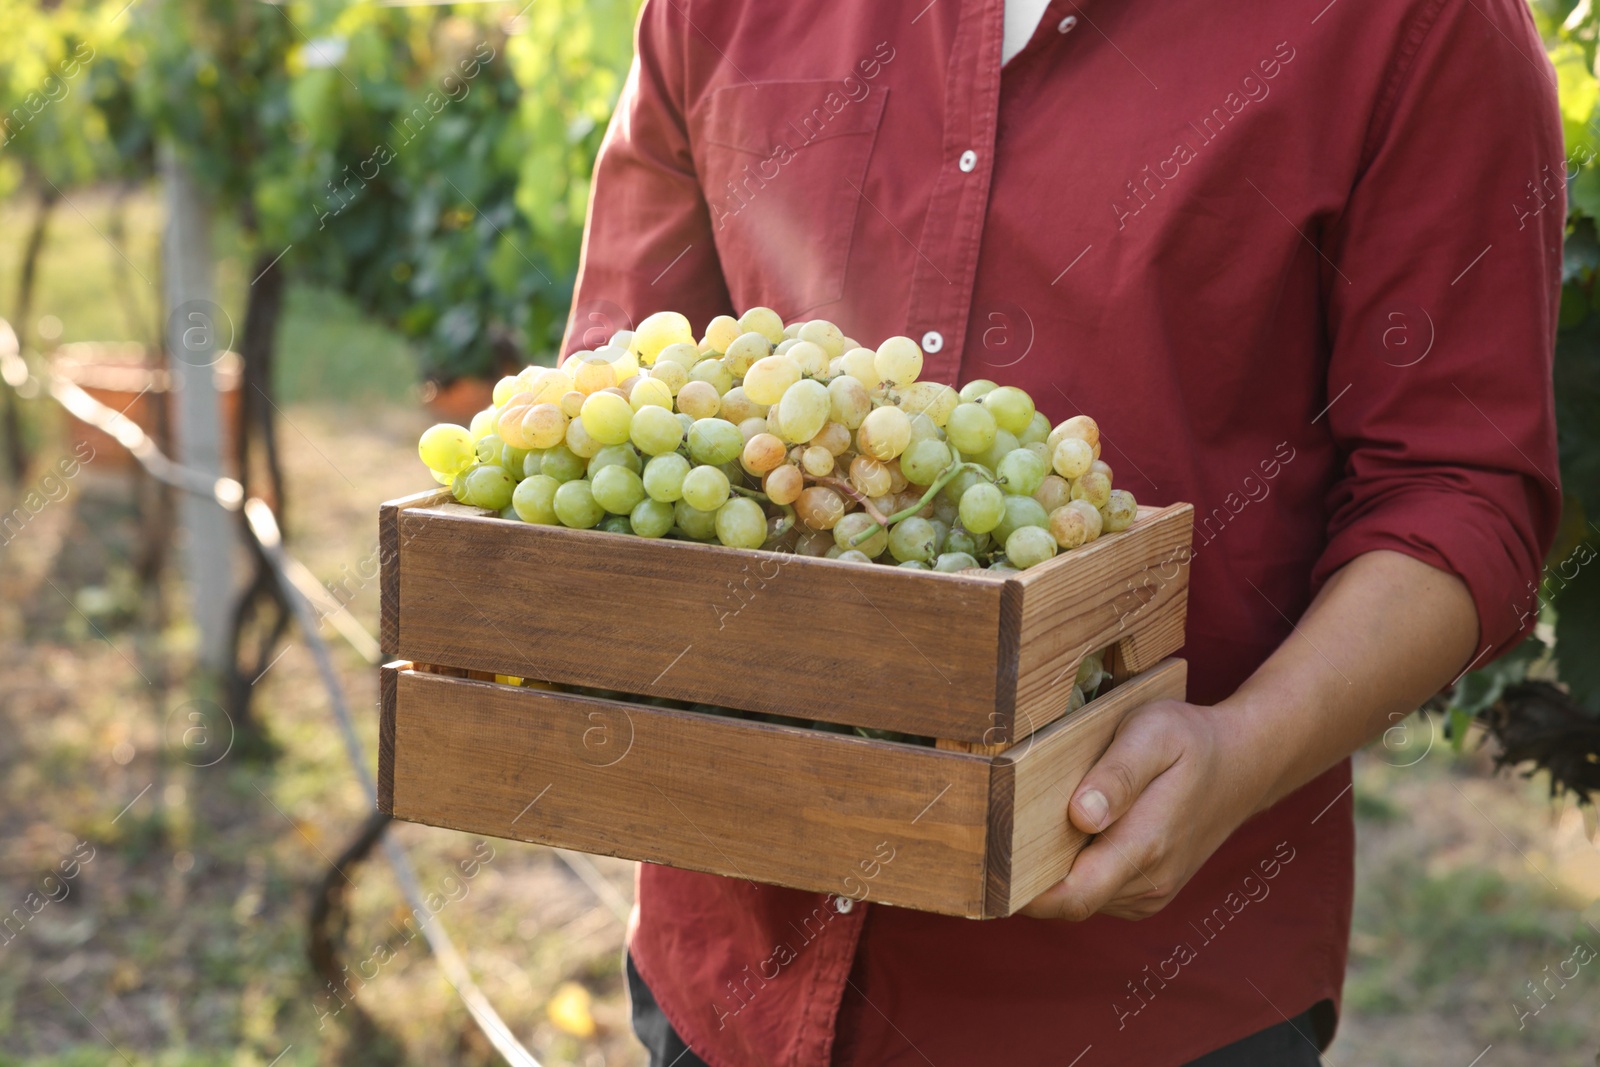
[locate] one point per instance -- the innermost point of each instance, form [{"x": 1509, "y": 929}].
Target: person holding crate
[{"x": 1260, "y": 245}]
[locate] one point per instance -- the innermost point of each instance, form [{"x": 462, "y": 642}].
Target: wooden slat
[
  {"x": 1106, "y": 593},
  {"x": 1047, "y": 767},
  {"x": 388, "y": 682},
  {"x": 792, "y": 635},
  {"x": 389, "y": 563},
  {"x": 793, "y": 807}
]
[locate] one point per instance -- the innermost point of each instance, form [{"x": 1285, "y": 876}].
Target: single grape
[
  {"x": 591, "y": 372},
  {"x": 543, "y": 426},
  {"x": 616, "y": 524},
  {"x": 803, "y": 410},
  {"x": 532, "y": 462},
  {"x": 655, "y": 430},
  {"x": 700, "y": 525},
  {"x": 848, "y": 401},
  {"x": 715, "y": 441},
  {"x": 1038, "y": 429},
  {"x": 1093, "y": 523},
  {"x": 651, "y": 518},
  {"x": 705, "y": 488},
  {"x": 835, "y": 437},
  {"x": 898, "y": 360},
  {"x": 672, "y": 375},
  {"x": 657, "y": 332},
  {"x": 755, "y": 424},
  {"x": 884, "y": 433},
  {"x": 482, "y": 423},
  {"x": 870, "y": 476},
  {"x": 699, "y": 399},
  {"x": 764, "y": 321},
  {"x": 768, "y": 377},
  {"x": 721, "y": 332},
  {"x": 935, "y": 400},
  {"x": 923, "y": 461},
  {"x": 824, "y": 335},
  {"x": 607, "y": 418},
  {"x": 914, "y": 539},
  {"x": 575, "y": 505},
  {"x": 1080, "y": 426},
  {"x": 784, "y": 345},
  {"x": 737, "y": 406},
  {"x": 1020, "y": 511},
  {"x": 914, "y": 565},
  {"x": 744, "y": 351},
  {"x": 819, "y": 507},
  {"x": 1011, "y": 407},
  {"x": 810, "y": 358},
  {"x": 813, "y": 542},
  {"x": 504, "y": 389},
  {"x": 961, "y": 541},
  {"x": 487, "y": 450},
  {"x": 489, "y": 486},
  {"x": 1042, "y": 450},
  {"x": 983, "y": 506},
  {"x": 1072, "y": 457},
  {"x": 663, "y": 477},
  {"x": 713, "y": 372},
  {"x": 1093, "y": 487},
  {"x": 862, "y": 365},
  {"x": 971, "y": 429},
  {"x": 976, "y": 388},
  {"x": 1028, "y": 546},
  {"x": 851, "y": 555},
  {"x": 956, "y": 487},
  {"x": 950, "y": 562},
  {"x": 683, "y": 354},
  {"x": 741, "y": 523},
  {"x": 853, "y": 525},
  {"x": 784, "y": 484},
  {"x": 535, "y": 499},
  {"x": 614, "y": 455},
  {"x": 562, "y": 464},
  {"x": 817, "y": 461},
  {"x": 1020, "y": 471},
  {"x": 1100, "y": 466},
  {"x": 571, "y": 403},
  {"x": 1120, "y": 511},
  {"x": 763, "y": 452},
  {"x": 1053, "y": 492},
  {"x": 616, "y": 488},
  {"x": 446, "y": 448},
  {"x": 650, "y": 392}
]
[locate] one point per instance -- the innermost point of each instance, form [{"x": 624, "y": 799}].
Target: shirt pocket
[{"x": 782, "y": 167}]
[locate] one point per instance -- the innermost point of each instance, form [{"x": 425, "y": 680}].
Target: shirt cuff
[{"x": 1461, "y": 534}]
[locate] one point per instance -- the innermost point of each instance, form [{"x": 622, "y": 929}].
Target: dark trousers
[{"x": 1288, "y": 1044}]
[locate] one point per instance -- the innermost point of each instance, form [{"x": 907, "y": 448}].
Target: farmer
[{"x": 1300, "y": 260}]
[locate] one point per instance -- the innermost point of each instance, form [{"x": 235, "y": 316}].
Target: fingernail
[{"x": 1092, "y": 803}]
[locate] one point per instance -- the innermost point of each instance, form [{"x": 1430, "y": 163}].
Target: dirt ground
[{"x": 180, "y": 937}]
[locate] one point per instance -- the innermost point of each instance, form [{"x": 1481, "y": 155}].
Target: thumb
[{"x": 1142, "y": 749}]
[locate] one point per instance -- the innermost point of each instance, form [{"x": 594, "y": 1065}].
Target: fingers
[
  {"x": 1144, "y": 746},
  {"x": 1120, "y": 872}
]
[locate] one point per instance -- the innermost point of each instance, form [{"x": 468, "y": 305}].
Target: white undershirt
[{"x": 1022, "y": 18}]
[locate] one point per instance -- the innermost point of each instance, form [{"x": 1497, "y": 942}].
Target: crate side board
[
  {"x": 1117, "y": 592},
  {"x": 389, "y": 563},
  {"x": 759, "y": 631},
  {"x": 1048, "y": 767},
  {"x": 807, "y": 809},
  {"x": 388, "y": 695}
]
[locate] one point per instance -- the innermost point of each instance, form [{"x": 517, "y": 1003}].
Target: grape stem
[
  {"x": 859, "y": 497},
  {"x": 944, "y": 479},
  {"x": 786, "y": 523},
  {"x": 754, "y": 494}
]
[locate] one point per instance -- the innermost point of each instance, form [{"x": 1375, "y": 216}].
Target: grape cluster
[{"x": 785, "y": 437}]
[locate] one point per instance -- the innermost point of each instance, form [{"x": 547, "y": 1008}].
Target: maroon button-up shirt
[{"x": 1300, "y": 261}]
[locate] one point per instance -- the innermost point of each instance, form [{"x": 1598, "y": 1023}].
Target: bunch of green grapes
[{"x": 791, "y": 438}]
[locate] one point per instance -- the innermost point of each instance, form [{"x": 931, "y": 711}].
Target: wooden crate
[
  {"x": 954, "y": 832},
  {"x": 974, "y": 659}
]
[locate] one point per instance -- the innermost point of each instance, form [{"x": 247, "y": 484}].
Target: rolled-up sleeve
[
  {"x": 1442, "y": 287},
  {"x": 648, "y": 239}
]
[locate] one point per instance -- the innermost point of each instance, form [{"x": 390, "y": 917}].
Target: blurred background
[{"x": 282, "y": 239}]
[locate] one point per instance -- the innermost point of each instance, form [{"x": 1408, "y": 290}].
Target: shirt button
[
  {"x": 932, "y": 341},
  {"x": 1066, "y": 24},
  {"x": 843, "y": 905},
  {"x": 969, "y": 159}
]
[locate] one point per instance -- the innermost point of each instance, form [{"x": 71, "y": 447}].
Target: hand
[{"x": 1175, "y": 783}]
